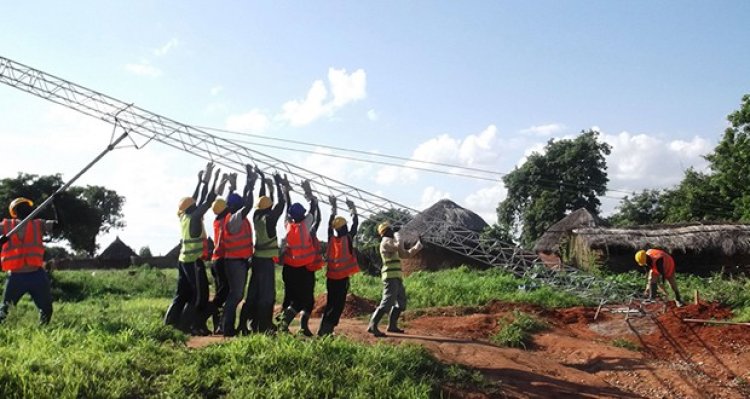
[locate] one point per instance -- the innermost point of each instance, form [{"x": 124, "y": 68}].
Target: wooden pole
[
  {"x": 716, "y": 322},
  {"x": 697, "y": 298}
]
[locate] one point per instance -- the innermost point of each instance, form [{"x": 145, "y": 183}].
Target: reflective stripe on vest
[
  {"x": 27, "y": 251},
  {"x": 341, "y": 261},
  {"x": 192, "y": 248},
  {"x": 318, "y": 261},
  {"x": 218, "y": 244},
  {"x": 299, "y": 249},
  {"x": 265, "y": 246},
  {"x": 391, "y": 267},
  {"x": 240, "y": 245},
  {"x": 668, "y": 261}
]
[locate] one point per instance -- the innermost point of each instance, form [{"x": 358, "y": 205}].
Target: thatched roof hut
[
  {"x": 117, "y": 250},
  {"x": 433, "y": 257},
  {"x": 550, "y": 241},
  {"x": 698, "y": 248}
]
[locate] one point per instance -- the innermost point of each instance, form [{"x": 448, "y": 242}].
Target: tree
[
  {"x": 84, "y": 212},
  {"x": 145, "y": 252},
  {"x": 571, "y": 174},
  {"x": 642, "y": 208},
  {"x": 730, "y": 163},
  {"x": 367, "y": 233}
]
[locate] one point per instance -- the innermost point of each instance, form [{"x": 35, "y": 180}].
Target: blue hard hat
[
  {"x": 234, "y": 200},
  {"x": 297, "y": 211}
]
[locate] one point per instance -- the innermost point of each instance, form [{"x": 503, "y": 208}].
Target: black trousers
[
  {"x": 299, "y": 287},
  {"x": 221, "y": 283},
  {"x": 337, "y": 290}
]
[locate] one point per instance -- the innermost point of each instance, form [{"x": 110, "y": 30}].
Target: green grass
[
  {"x": 626, "y": 344},
  {"x": 106, "y": 340},
  {"x": 731, "y": 292},
  {"x": 517, "y": 331}
]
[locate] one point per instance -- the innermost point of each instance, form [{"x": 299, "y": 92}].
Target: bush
[{"x": 517, "y": 332}]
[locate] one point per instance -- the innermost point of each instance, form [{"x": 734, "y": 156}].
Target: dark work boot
[
  {"x": 285, "y": 319},
  {"x": 304, "y": 322},
  {"x": 325, "y": 329},
  {"x": 372, "y": 328},
  {"x": 393, "y": 321}
]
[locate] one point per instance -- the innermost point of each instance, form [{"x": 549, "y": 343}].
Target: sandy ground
[{"x": 576, "y": 357}]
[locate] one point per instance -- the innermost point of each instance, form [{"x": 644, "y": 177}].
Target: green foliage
[
  {"x": 107, "y": 340},
  {"x": 626, "y": 344},
  {"x": 640, "y": 209},
  {"x": 367, "y": 233},
  {"x": 463, "y": 287},
  {"x": 517, "y": 332},
  {"x": 145, "y": 252},
  {"x": 83, "y": 211},
  {"x": 571, "y": 174}
]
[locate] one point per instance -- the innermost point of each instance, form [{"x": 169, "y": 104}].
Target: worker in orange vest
[
  {"x": 236, "y": 238},
  {"x": 661, "y": 264},
  {"x": 342, "y": 263},
  {"x": 221, "y": 285},
  {"x": 298, "y": 254},
  {"x": 22, "y": 257},
  {"x": 261, "y": 289},
  {"x": 190, "y": 308}
]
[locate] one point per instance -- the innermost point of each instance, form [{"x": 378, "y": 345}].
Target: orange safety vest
[
  {"x": 218, "y": 242},
  {"x": 341, "y": 261},
  {"x": 318, "y": 261},
  {"x": 239, "y": 245},
  {"x": 28, "y": 251},
  {"x": 299, "y": 249},
  {"x": 656, "y": 254}
]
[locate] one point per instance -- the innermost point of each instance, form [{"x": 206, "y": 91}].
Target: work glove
[
  {"x": 307, "y": 189},
  {"x": 350, "y": 205},
  {"x": 277, "y": 178},
  {"x": 332, "y": 201},
  {"x": 209, "y": 170},
  {"x": 232, "y": 182},
  {"x": 251, "y": 174}
]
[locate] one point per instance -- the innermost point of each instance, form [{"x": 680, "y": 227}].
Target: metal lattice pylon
[{"x": 148, "y": 127}]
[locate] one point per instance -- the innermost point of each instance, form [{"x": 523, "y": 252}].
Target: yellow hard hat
[
  {"x": 338, "y": 222},
  {"x": 382, "y": 227},
  {"x": 15, "y": 203},
  {"x": 185, "y": 203},
  {"x": 264, "y": 202},
  {"x": 640, "y": 258},
  {"x": 218, "y": 206}
]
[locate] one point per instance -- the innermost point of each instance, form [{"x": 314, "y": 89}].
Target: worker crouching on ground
[
  {"x": 661, "y": 264},
  {"x": 189, "y": 309},
  {"x": 261, "y": 289},
  {"x": 22, "y": 258},
  {"x": 394, "y": 294},
  {"x": 342, "y": 263},
  {"x": 297, "y": 255}
]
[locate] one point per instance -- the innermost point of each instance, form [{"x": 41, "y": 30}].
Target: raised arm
[
  {"x": 205, "y": 177},
  {"x": 355, "y": 218},
  {"x": 315, "y": 209},
  {"x": 332, "y": 201},
  {"x": 248, "y": 192},
  {"x": 278, "y": 208}
]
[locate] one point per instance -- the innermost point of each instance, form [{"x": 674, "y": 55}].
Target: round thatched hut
[{"x": 445, "y": 215}]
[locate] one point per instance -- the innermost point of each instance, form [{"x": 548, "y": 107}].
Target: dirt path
[{"x": 576, "y": 358}]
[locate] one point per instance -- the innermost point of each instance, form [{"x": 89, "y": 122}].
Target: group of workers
[{"x": 240, "y": 247}]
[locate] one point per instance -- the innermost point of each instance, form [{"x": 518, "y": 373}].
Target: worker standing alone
[
  {"x": 342, "y": 264},
  {"x": 661, "y": 264},
  {"x": 22, "y": 258},
  {"x": 394, "y": 294}
]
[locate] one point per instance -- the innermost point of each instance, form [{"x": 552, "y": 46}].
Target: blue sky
[{"x": 479, "y": 84}]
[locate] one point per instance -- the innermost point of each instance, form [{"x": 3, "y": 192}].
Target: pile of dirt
[
  {"x": 674, "y": 337},
  {"x": 355, "y": 306}
]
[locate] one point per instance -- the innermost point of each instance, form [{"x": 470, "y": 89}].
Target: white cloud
[
  {"x": 163, "y": 50},
  {"x": 549, "y": 129},
  {"x": 344, "y": 89},
  {"x": 253, "y": 121},
  {"x": 641, "y": 161},
  {"x": 347, "y": 88},
  {"x": 143, "y": 69},
  {"x": 372, "y": 115},
  {"x": 216, "y": 90},
  {"x": 485, "y": 200},
  {"x": 431, "y": 195}
]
